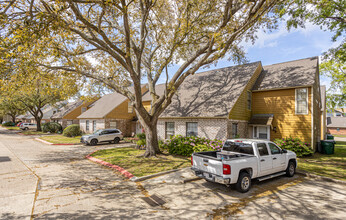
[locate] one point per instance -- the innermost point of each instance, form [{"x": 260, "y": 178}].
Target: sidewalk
[{"x": 17, "y": 186}]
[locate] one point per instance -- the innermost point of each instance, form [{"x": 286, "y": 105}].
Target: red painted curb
[{"x": 104, "y": 163}]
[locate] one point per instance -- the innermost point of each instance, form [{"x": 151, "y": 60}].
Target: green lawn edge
[
  {"x": 60, "y": 139},
  {"x": 131, "y": 160}
]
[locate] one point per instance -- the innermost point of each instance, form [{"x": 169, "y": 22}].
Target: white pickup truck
[{"x": 241, "y": 160}]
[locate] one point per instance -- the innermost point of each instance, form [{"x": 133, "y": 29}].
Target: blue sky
[{"x": 282, "y": 45}]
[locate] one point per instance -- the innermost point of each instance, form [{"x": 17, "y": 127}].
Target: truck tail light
[
  {"x": 191, "y": 161},
  {"x": 226, "y": 169}
]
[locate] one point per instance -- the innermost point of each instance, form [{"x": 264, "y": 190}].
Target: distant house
[
  {"x": 249, "y": 101},
  {"x": 67, "y": 115},
  {"x": 336, "y": 125},
  {"x": 111, "y": 111},
  {"x": 339, "y": 112},
  {"x": 47, "y": 111}
]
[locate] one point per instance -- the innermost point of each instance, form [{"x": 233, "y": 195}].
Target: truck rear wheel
[{"x": 244, "y": 182}]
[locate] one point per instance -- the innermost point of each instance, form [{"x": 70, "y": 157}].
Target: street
[{"x": 40, "y": 181}]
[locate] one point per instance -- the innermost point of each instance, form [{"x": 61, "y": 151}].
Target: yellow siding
[
  {"x": 281, "y": 103},
  {"x": 77, "y": 111},
  {"x": 240, "y": 109},
  {"x": 121, "y": 112},
  {"x": 147, "y": 105}
]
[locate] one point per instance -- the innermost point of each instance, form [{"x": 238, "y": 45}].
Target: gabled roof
[
  {"x": 336, "y": 122},
  {"x": 66, "y": 109},
  {"x": 103, "y": 106},
  {"x": 290, "y": 74},
  {"x": 48, "y": 110},
  {"x": 212, "y": 93}
]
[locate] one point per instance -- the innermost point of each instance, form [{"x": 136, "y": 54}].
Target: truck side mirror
[{"x": 283, "y": 151}]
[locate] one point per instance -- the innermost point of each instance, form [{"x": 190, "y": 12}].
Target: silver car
[
  {"x": 103, "y": 135},
  {"x": 27, "y": 126}
]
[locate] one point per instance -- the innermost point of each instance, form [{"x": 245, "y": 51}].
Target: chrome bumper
[{"x": 211, "y": 177}]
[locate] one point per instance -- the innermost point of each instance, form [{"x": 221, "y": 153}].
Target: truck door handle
[
  {"x": 262, "y": 160},
  {"x": 274, "y": 158}
]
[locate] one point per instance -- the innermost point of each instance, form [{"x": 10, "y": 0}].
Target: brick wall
[
  {"x": 124, "y": 125},
  {"x": 242, "y": 128},
  {"x": 208, "y": 128},
  {"x": 332, "y": 131}
]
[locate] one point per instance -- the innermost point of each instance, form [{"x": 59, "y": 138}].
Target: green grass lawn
[
  {"x": 12, "y": 128},
  {"x": 60, "y": 139},
  {"x": 333, "y": 165},
  {"x": 339, "y": 135},
  {"x": 33, "y": 132},
  {"x": 129, "y": 159}
]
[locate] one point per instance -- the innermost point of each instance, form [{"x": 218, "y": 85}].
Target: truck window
[
  {"x": 273, "y": 148},
  {"x": 262, "y": 149},
  {"x": 238, "y": 147}
]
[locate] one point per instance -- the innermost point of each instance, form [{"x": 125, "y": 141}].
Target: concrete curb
[
  {"x": 138, "y": 179},
  {"x": 304, "y": 173},
  {"x": 46, "y": 142},
  {"x": 104, "y": 163}
]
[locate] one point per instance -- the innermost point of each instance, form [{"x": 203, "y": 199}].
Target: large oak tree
[{"x": 132, "y": 42}]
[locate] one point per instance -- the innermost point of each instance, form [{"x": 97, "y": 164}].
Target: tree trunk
[
  {"x": 152, "y": 144},
  {"x": 38, "y": 122},
  {"x": 13, "y": 118}
]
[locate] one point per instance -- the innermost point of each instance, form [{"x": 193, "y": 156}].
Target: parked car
[
  {"x": 241, "y": 160},
  {"x": 19, "y": 124},
  {"x": 103, "y": 135},
  {"x": 27, "y": 126}
]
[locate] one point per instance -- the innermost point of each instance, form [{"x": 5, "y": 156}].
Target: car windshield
[
  {"x": 238, "y": 147},
  {"x": 98, "y": 131}
]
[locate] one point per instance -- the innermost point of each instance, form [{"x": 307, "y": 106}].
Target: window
[
  {"x": 234, "y": 130},
  {"x": 87, "y": 125},
  {"x": 94, "y": 125},
  {"x": 255, "y": 132},
  {"x": 248, "y": 100},
  {"x": 191, "y": 129},
  {"x": 129, "y": 107},
  {"x": 262, "y": 132},
  {"x": 169, "y": 129},
  {"x": 262, "y": 149},
  {"x": 238, "y": 147},
  {"x": 302, "y": 101},
  {"x": 274, "y": 149},
  {"x": 83, "y": 109}
]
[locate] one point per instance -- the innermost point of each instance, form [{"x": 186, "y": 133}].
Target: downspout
[{"x": 312, "y": 118}]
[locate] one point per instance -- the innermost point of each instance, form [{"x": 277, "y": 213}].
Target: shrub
[
  {"x": 131, "y": 140},
  {"x": 296, "y": 145},
  {"x": 141, "y": 144},
  {"x": 8, "y": 124},
  {"x": 72, "y": 131},
  {"x": 51, "y": 127},
  {"x": 141, "y": 136},
  {"x": 185, "y": 146}
]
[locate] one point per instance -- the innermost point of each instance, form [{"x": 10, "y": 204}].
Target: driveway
[{"x": 55, "y": 182}]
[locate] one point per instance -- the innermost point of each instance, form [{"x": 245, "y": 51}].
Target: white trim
[{"x": 307, "y": 101}]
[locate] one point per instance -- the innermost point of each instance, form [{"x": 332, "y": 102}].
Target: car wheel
[
  {"x": 291, "y": 169},
  {"x": 26, "y": 129},
  {"x": 244, "y": 182},
  {"x": 93, "y": 142},
  {"x": 116, "y": 140}
]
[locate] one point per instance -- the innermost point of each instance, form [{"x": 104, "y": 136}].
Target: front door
[
  {"x": 266, "y": 164},
  {"x": 277, "y": 157}
]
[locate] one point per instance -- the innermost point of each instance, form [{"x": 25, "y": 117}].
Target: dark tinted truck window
[
  {"x": 238, "y": 147},
  {"x": 262, "y": 149}
]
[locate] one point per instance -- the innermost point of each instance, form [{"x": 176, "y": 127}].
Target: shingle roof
[
  {"x": 336, "y": 122},
  {"x": 66, "y": 109},
  {"x": 210, "y": 94},
  {"x": 103, "y": 106},
  {"x": 288, "y": 75},
  {"x": 159, "y": 90}
]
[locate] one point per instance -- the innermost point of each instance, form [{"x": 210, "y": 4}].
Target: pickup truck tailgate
[{"x": 209, "y": 165}]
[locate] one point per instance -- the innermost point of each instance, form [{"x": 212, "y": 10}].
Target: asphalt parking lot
[{"x": 41, "y": 181}]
